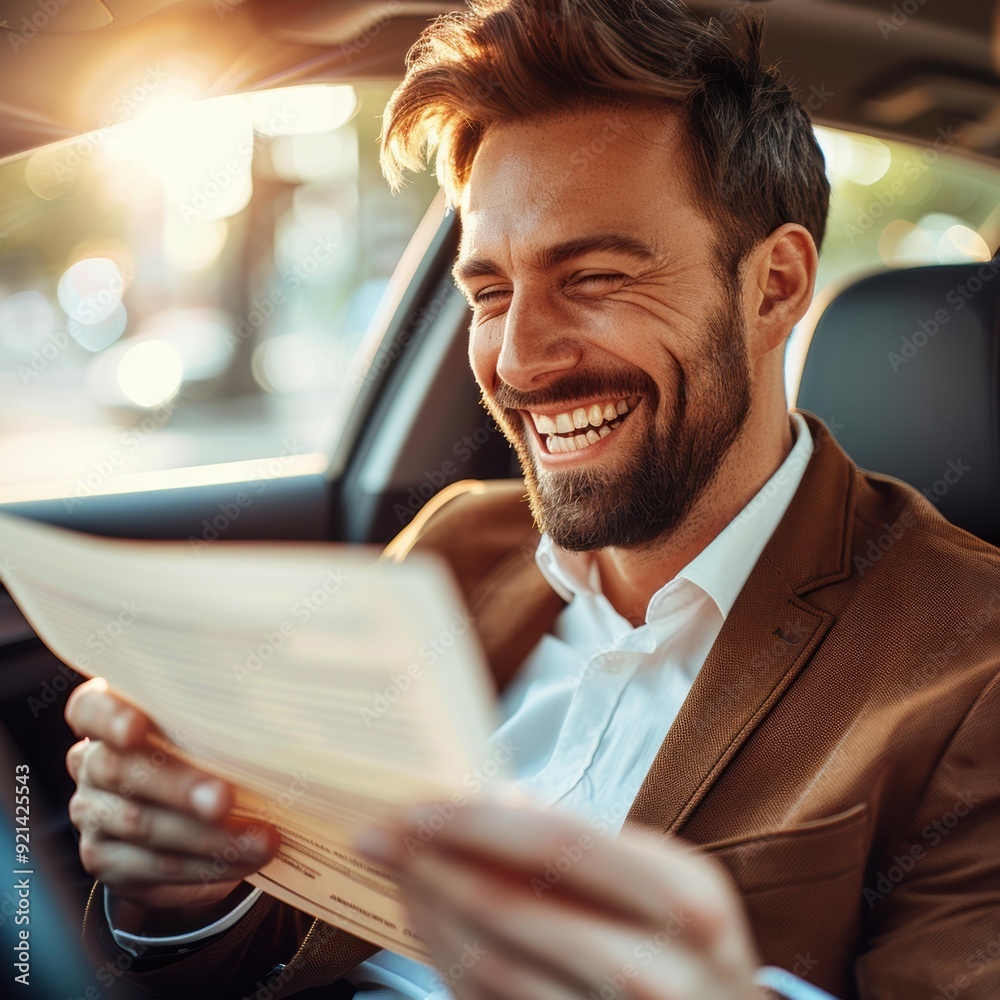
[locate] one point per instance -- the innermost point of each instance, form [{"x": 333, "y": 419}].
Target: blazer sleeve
[
  {"x": 274, "y": 946},
  {"x": 934, "y": 908}
]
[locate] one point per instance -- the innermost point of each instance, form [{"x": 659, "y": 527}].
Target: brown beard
[{"x": 647, "y": 497}]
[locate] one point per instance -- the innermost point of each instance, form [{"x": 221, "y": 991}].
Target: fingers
[
  {"x": 154, "y": 829},
  {"x": 123, "y": 867},
  {"x": 93, "y": 710},
  {"x": 151, "y": 775},
  {"x": 518, "y": 940},
  {"x": 639, "y": 877},
  {"x": 578, "y": 946},
  {"x": 105, "y": 815}
]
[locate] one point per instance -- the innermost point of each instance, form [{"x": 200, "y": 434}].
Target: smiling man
[{"x": 728, "y": 755}]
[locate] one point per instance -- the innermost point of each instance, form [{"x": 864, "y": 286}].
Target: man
[{"x": 692, "y": 646}]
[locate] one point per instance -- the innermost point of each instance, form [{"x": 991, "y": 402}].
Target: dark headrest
[{"x": 904, "y": 366}]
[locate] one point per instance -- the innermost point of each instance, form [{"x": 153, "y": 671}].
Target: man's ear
[{"x": 779, "y": 280}]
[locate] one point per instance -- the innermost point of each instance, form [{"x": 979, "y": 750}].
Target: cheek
[{"x": 483, "y": 356}]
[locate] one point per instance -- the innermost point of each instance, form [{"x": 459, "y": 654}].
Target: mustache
[{"x": 579, "y": 385}]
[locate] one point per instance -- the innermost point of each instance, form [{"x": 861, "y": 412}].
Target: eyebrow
[{"x": 560, "y": 253}]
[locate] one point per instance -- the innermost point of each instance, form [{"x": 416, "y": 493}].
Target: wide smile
[{"x": 580, "y": 428}]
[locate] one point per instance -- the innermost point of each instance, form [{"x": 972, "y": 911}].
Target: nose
[{"x": 539, "y": 343}]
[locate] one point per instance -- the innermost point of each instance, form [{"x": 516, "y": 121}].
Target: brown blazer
[{"x": 839, "y": 752}]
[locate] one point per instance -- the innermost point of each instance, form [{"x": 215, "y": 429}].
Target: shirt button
[{"x": 612, "y": 662}]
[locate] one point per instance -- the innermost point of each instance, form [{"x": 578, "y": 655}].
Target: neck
[{"x": 630, "y": 577}]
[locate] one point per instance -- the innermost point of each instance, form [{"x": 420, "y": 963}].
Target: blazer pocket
[
  {"x": 801, "y": 890},
  {"x": 807, "y": 854}
]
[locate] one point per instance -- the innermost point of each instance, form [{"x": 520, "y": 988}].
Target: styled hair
[{"x": 755, "y": 160}]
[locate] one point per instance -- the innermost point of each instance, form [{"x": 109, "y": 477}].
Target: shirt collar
[{"x": 723, "y": 566}]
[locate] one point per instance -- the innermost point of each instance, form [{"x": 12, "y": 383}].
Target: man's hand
[
  {"x": 149, "y": 823},
  {"x": 516, "y": 903}
]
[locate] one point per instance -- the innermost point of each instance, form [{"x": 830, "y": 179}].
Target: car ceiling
[{"x": 867, "y": 64}]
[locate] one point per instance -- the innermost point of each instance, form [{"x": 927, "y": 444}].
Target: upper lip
[{"x": 554, "y": 410}]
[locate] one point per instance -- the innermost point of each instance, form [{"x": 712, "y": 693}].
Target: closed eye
[
  {"x": 586, "y": 281},
  {"x": 488, "y": 295}
]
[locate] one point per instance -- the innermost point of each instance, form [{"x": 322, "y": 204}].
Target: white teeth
[
  {"x": 580, "y": 419},
  {"x": 594, "y": 422}
]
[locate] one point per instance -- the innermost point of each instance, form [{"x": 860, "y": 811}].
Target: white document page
[{"x": 332, "y": 689}]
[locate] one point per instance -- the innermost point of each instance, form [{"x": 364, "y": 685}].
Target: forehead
[{"x": 609, "y": 169}]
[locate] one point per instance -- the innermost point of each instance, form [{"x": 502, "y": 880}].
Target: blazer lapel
[{"x": 767, "y": 639}]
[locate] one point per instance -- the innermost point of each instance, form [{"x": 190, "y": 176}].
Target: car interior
[{"x": 899, "y": 356}]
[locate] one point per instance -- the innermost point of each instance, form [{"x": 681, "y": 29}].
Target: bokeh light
[
  {"x": 90, "y": 290},
  {"x": 904, "y": 244},
  {"x": 150, "y": 373},
  {"x": 302, "y": 110},
  {"x": 959, "y": 244},
  {"x": 284, "y": 364},
  {"x": 193, "y": 246},
  {"x": 90, "y": 293},
  {"x": 28, "y": 319},
  {"x": 856, "y": 158},
  {"x": 201, "y": 152}
]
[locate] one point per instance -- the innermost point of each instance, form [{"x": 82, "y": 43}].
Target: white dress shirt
[{"x": 591, "y": 705}]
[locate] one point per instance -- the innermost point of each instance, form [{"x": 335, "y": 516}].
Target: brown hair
[{"x": 756, "y": 162}]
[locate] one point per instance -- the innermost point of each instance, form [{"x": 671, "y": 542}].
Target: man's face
[{"x": 607, "y": 346}]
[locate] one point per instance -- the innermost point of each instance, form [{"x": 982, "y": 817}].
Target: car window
[
  {"x": 187, "y": 289},
  {"x": 895, "y": 205}
]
